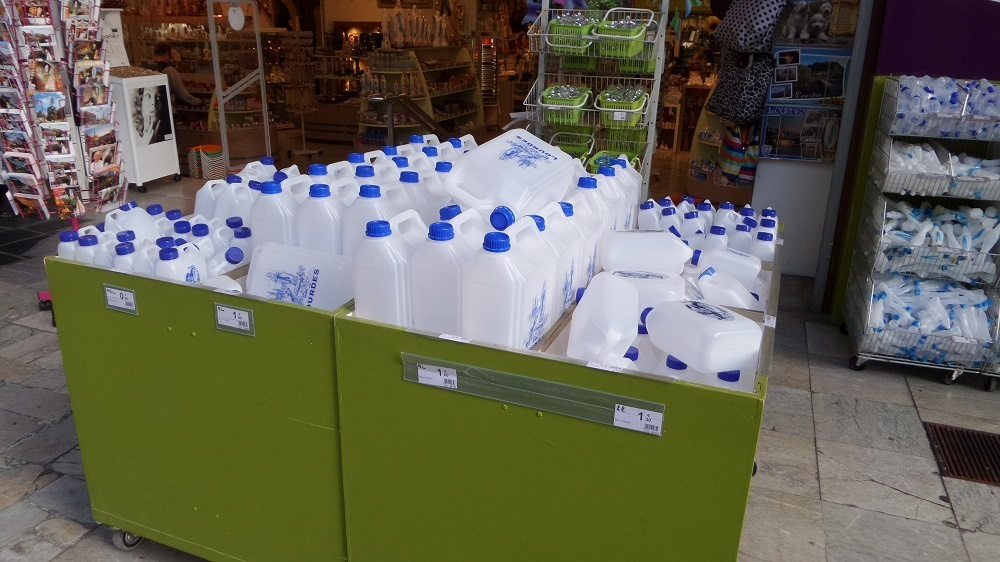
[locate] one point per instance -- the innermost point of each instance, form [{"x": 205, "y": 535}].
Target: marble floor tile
[
  {"x": 826, "y": 339},
  {"x": 52, "y": 360},
  {"x": 966, "y": 386},
  {"x": 46, "y": 445},
  {"x": 782, "y": 527},
  {"x": 39, "y": 321},
  {"x": 67, "y": 496},
  {"x": 958, "y": 420},
  {"x": 15, "y": 426},
  {"x": 788, "y": 410},
  {"x": 29, "y": 349},
  {"x": 30, "y": 547},
  {"x": 879, "y": 381},
  {"x": 50, "y": 379},
  {"x": 882, "y": 481},
  {"x": 977, "y": 505},
  {"x": 787, "y": 463},
  {"x": 18, "y": 518},
  {"x": 16, "y": 481},
  {"x": 11, "y": 372},
  {"x": 17, "y": 303},
  {"x": 35, "y": 402},
  {"x": 982, "y": 547},
  {"x": 13, "y": 333},
  {"x": 867, "y": 423},
  {"x": 789, "y": 368},
  {"x": 858, "y": 535},
  {"x": 61, "y": 531}
]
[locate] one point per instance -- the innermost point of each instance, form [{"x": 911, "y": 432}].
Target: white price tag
[
  {"x": 122, "y": 300},
  {"x": 780, "y": 242},
  {"x": 770, "y": 321},
  {"x": 638, "y": 419},
  {"x": 962, "y": 339},
  {"x": 232, "y": 319},
  {"x": 442, "y": 377},
  {"x": 603, "y": 367},
  {"x": 619, "y": 115},
  {"x": 450, "y": 337}
]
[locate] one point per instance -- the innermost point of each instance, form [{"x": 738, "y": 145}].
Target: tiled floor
[{"x": 845, "y": 471}]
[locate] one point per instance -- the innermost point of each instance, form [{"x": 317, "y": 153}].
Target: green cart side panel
[
  {"x": 434, "y": 474},
  {"x": 219, "y": 444}
]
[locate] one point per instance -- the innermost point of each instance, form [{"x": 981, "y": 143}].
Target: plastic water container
[
  {"x": 649, "y": 216},
  {"x": 707, "y": 338},
  {"x": 135, "y": 219},
  {"x": 591, "y": 228},
  {"x": 706, "y": 211},
  {"x": 200, "y": 236},
  {"x": 669, "y": 219},
  {"x": 368, "y": 207},
  {"x": 653, "y": 288},
  {"x": 601, "y": 206},
  {"x": 527, "y": 240},
  {"x": 183, "y": 265},
  {"x": 636, "y": 250},
  {"x": 204, "y": 199},
  {"x": 318, "y": 173},
  {"x": 318, "y": 221},
  {"x": 125, "y": 255},
  {"x": 503, "y": 299},
  {"x": 693, "y": 229},
  {"x": 747, "y": 212},
  {"x": 224, "y": 262},
  {"x": 436, "y": 273},
  {"x": 261, "y": 170},
  {"x": 632, "y": 177},
  {"x": 763, "y": 246},
  {"x": 565, "y": 249},
  {"x": 469, "y": 227},
  {"x": 382, "y": 276},
  {"x": 291, "y": 171},
  {"x": 609, "y": 185},
  {"x": 686, "y": 205},
  {"x": 409, "y": 193},
  {"x": 417, "y": 142},
  {"x": 86, "y": 249},
  {"x": 604, "y": 323},
  {"x": 182, "y": 230},
  {"x": 741, "y": 238},
  {"x": 516, "y": 170},
  {"x": 574, "y": 241},
  {"x": 242, "y": 238},
  {"x": 768, "y": 225},
  {"x": 67, "y": 244},
  {"x": 273, "y": 219},
  {"x": 235, "y": 201},
  {"x": 726, "y": 290},
  {"x": 651, "y": 359},
  {"x": 300, "y": 276},
  {"x": 726, "y": 217},
  {"x": 740, "y": 265},
  {"x": 716, "y": 238}
]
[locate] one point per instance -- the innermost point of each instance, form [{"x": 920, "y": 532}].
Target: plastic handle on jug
[
  {"x": 346, "y": 189},
  {"x": 465, "y": 222},
  {"x": 341, "y": 169},
  {"x": 405, "y": 150},
  {"x": 468, "y": 142},
  {"x": 522, "y": 227},
  {"x": 410, "y": 226},
  {"x": 386, "y": 171},
  {"x": 375, "y": 156}
]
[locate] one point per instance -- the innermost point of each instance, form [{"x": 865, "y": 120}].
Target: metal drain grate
[{"x": 965, "y": 453}]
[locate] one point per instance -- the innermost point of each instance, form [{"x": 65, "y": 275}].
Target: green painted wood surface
[
  {"x": 218, "y": 444},
  {"x": 431, "y": 474}
]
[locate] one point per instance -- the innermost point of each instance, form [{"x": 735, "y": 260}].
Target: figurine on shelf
[
  {"x": 413, "y": 26},
  {"x": 440, "y": 30},
  {"x": 386, "y": 22},
  {"x": 398, "y": 25}
]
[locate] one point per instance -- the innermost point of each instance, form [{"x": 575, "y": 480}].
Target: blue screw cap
[
  {"x": 270, "y": 187},
  {"x": 174, "y": 214},
  {"x": 165, "y": 242},
  {"x": 182, "y": 227},
  {"x": 279, "y": 177},
  {"x": 441, "y": 231},
  {"x": 124, "y": 249},
  {"x": 234, "y": 255},
  {"x": 200, "y": 230},
  {"x": 587, "y": 182},
  {"x": 607, "y": 171},
  {"x": 444, "y": 166},
  {"x": 365, "y": 171},
  {"x": 675, "y": 363},
  {"x": 632, "y": 353},
  {"x": 729, "y": 376},
  {"x": 417, "y": 138},
  {"x": 430, "y": 151},
  {"x": 317, "y": 170},
  {"x": 743, "y": 228},
  {"x": 719, "y": 230},
  {"x": 502, "y": 217},
  {"x": 69, "y": 236},
  {"x": 88, "y": 240},
  {"x": 567, "y": 208},
  {"x": 409, "y": 177},
  {"x": 690, "y": 215},
  {"x": 319, "y": 190},
  {"x": 167, "y": 254},
  {"x": 378, "y": 229},
  {"x": 370, "y": 191},
  {"x": 242, "y": 232},
  {"x": 646, "y": 205},
  {"x": 355, "y": 158},
  {"x": 449, "y": 212},
  {"x": 539, "y": 222},
  {"x": 496, "y": 242},
  {"x": 125, "y": 236},
  {"x": 234, "y": 222},
  {"x": 267, "y": 160},
  {"x": 668, "y": 211},
  {"x": 765, "y": 236},
  {"x": 233, "y": 178},
  {"x": 389, "y": 150},
  {"x": 154, "y": 209},
  {"x": 401, "y": 162},
  {"x": 457, "y": 143}
]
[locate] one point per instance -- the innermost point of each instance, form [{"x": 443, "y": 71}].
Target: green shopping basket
[
  {"x": 621, "y": 114},
  {"x": 634, "y": 66},
  {"x": 604, "y": 158},
  {"x": 575, "y": 144},
  {"x": 626, "y": 141},
  {"x": 576, "y": 62},
  {"x": 568, "y": 39},
  {"x": 563, "y": 111},
  {"x": 622, "y": 43}
]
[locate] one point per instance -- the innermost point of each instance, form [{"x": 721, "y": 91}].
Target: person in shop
[{"x": 162, "y": 55}]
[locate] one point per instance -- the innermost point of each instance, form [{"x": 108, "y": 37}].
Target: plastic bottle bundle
[
  {"x": 942, "y": 107},
  {"x": 949, "y": 321}
]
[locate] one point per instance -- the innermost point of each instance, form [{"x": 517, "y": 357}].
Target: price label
[
  {"x": 638, "y": 419},
  {"x": 603, "y": 367},
  {"x": 441, "y": 377},
  {"x": 619, "y": 115},
  {"x": 962, "y": 339},
  {"x": 235, "y": 320},
  {"x": 450, "y": 337},
  {"x": 770, "y": 321},
  {"x": 122, "y": 300}
]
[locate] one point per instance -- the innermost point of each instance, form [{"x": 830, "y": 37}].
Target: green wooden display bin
[{"x": 219, "y": 444}]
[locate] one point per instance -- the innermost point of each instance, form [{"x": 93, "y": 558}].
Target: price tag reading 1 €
[
  {"x": 122, "y": 300},
  {"x": 638, "y": 419},
  {"x": 235, "y": 320},
  {"x": 441, "y": 377}
]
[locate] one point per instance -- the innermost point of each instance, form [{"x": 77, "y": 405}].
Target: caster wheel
[
  {"x": 990, "y": 383},
  {"x": 177, "y": 177},
  {"x": 843, "y": 328},
  {"x": 950, "y": 378},
  {"x": 123, "y": 540},
  {"x": 45, "y": 306},
  {"x": 857, "y": 364}
]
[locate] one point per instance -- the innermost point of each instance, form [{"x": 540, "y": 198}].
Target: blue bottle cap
[
  {"x": 449, "y": 212},
  {"x": 457, "y": 143},
  {"x": 182, "y": 227},
  {"x": 766, "y": 236},
  {"x": 279, "y": 177},
  {"x": 132, "y": 204},
  {"x": 234, "y": 255},
  {"x": 99, "y": 226},
  {"x": 377, "y": 229},
  {"x": 703, "y": 206},
  {"x": 242, "y": 232},
  {"x": 750, "y": 222},
  {"x": 317, "y": 170},
  {"x": 319, "y": 190},
  {"x": 673, "y": 230},
  {"x": 355, "y": 158},
  {"x": 125, "y": 236},
  {"x": 668, "y": 211},
  {"x": 409, "y": 177},
  {"x": 167, "y": 254},
  {"x": 443, "y": 166},
  {"x": 364, "y": 171},
  {"x": 430, "y": 151},
  {"x": 632, "y": 353},
  {"x": 642, "y": 330},
  {"x": 743, "y": 228},
  {"x": 726, "y": 205},
  {"x": 154, "y": 209},
  {"x": 267, "y": 160},
  {"x": 233, "y": 178},
  {"x": 768, "y": 223},
  {"x": 174, "y": 214},
  {"x": 769, "y": 213},
  {"x": 165, "y": 242},
  {"x": 645, "y": 312},
  {"x": 270, "y": 187},
  {"x": 646, "y": 205},
  {"x": 370, "y": 191},
  {"x": 696, "y": 257},
  {"x": 579, "y": 294},
  {"x": 69, "y": 236},
  {"x": 675, "y": 363},
  {"x": 746, "y": 212},
  {"x": 720, "y": 230},
  {"x": 254, "y": 185},
  {"x": 417, "y": 138},
  {"x": 125, "y": 207},
  {"x": 178, "y": 242},
  {"x": 502, "y": 217},
  {"x": 441, "y": 231},
  {"x": 587, "y": 182},
  {"x": 665, "y": 202},
  {"x": 401, "y": 162},
  {"x": 124, "y": 249},
  {"x": 496, "y": 242},
  {"x": 690, "y": 215},
  {"x": 389, "y": 150},
  {"x": 539, "y": 222},
  {"x": 606, "y": 171},
  {"x": 730, "y": 376},
  {"x": 688, "y": 199},
  {"x": 619, "y": 162},
  {"x": 88, "y": 240},
  {"x": 200, "y": 230},
  {"x": 567, "y": 208},
  {"x": 234, "y": 222}
]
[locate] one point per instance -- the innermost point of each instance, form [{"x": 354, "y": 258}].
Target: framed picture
[
  {"x": 800, "y": 133},
  {"x": 149, "y": 114},
  {"x": 819, "y": 76},
  {"x": 818, "y": 22}
]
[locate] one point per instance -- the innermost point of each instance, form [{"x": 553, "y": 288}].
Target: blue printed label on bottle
[
  {"x": 297, "y": 287},
  {"x": 711, "y": 311},
  {"x": 538, "y": 315},
  {"x": 639, "y": 275},
  {"x": 525, "y": 154}
]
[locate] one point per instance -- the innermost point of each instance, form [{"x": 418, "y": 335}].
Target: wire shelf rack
[
  {"x": 933, "y": 185},
  {"x": 543, "y": 38},
  {"x": 933, "y": 125},
  {"x": 587, "y": 114}
]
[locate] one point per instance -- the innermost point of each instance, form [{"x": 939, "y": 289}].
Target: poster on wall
[
  {"x": 810, "y": 75},
  {"x": 800, "y": 133},
  {"x": 818, "y": 22},
  {"x": 150, "y": 115}
]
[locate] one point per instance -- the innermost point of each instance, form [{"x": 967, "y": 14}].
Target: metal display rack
[
  {"x": 876, "y": 254},
  {"x": 597, "y": 59}
]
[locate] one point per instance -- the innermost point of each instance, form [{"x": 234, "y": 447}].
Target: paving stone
[
  {"x": 51, "y": 379},
  {"x": 67, "y": 496},
  {"x": 15, "y": 426},
  {"x": 52, "y": 360},
  {"x": 16, "y": 482},
  {"x": 35, "y": 402},
  {"x": 39, "y": 321},
  {"x": 17, "y": 519},
  {"x": 789, "y": 368},
  {"x": 858, "y": 535},
  {"x": 782, "y": 527},
  {"x": 982, "y": 547},
  {"x": 867, "y": 423},
  {"x": 13, "y": 333},
  {"x": 16, "y": 372},
  {"x": 879, "y": 381},
  {"x": 788, "y": 410},
  {"x": 46, "y": 445},
  {"x": 32, "y": 348},
  {"x": 97, "y": 546},
  {"x": 61, "y": 531},
  {"x": 826, "y": 340},
  {"x": 787, "y": 463},
  {"x": 30, "y": 548},
  {"x": 17, "y": 303},
  {"x": 977, "y": 505}
]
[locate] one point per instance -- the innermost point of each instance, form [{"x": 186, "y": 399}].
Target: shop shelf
[
  {"x": 930, "y": 185},
  {"x": 590, "y": 115},
  {"x": 568, "y": 39},
  {"x": 620, "y": 43},
  {"x": 543, "y": 37},
  {"x": 934, "y": 125}
]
